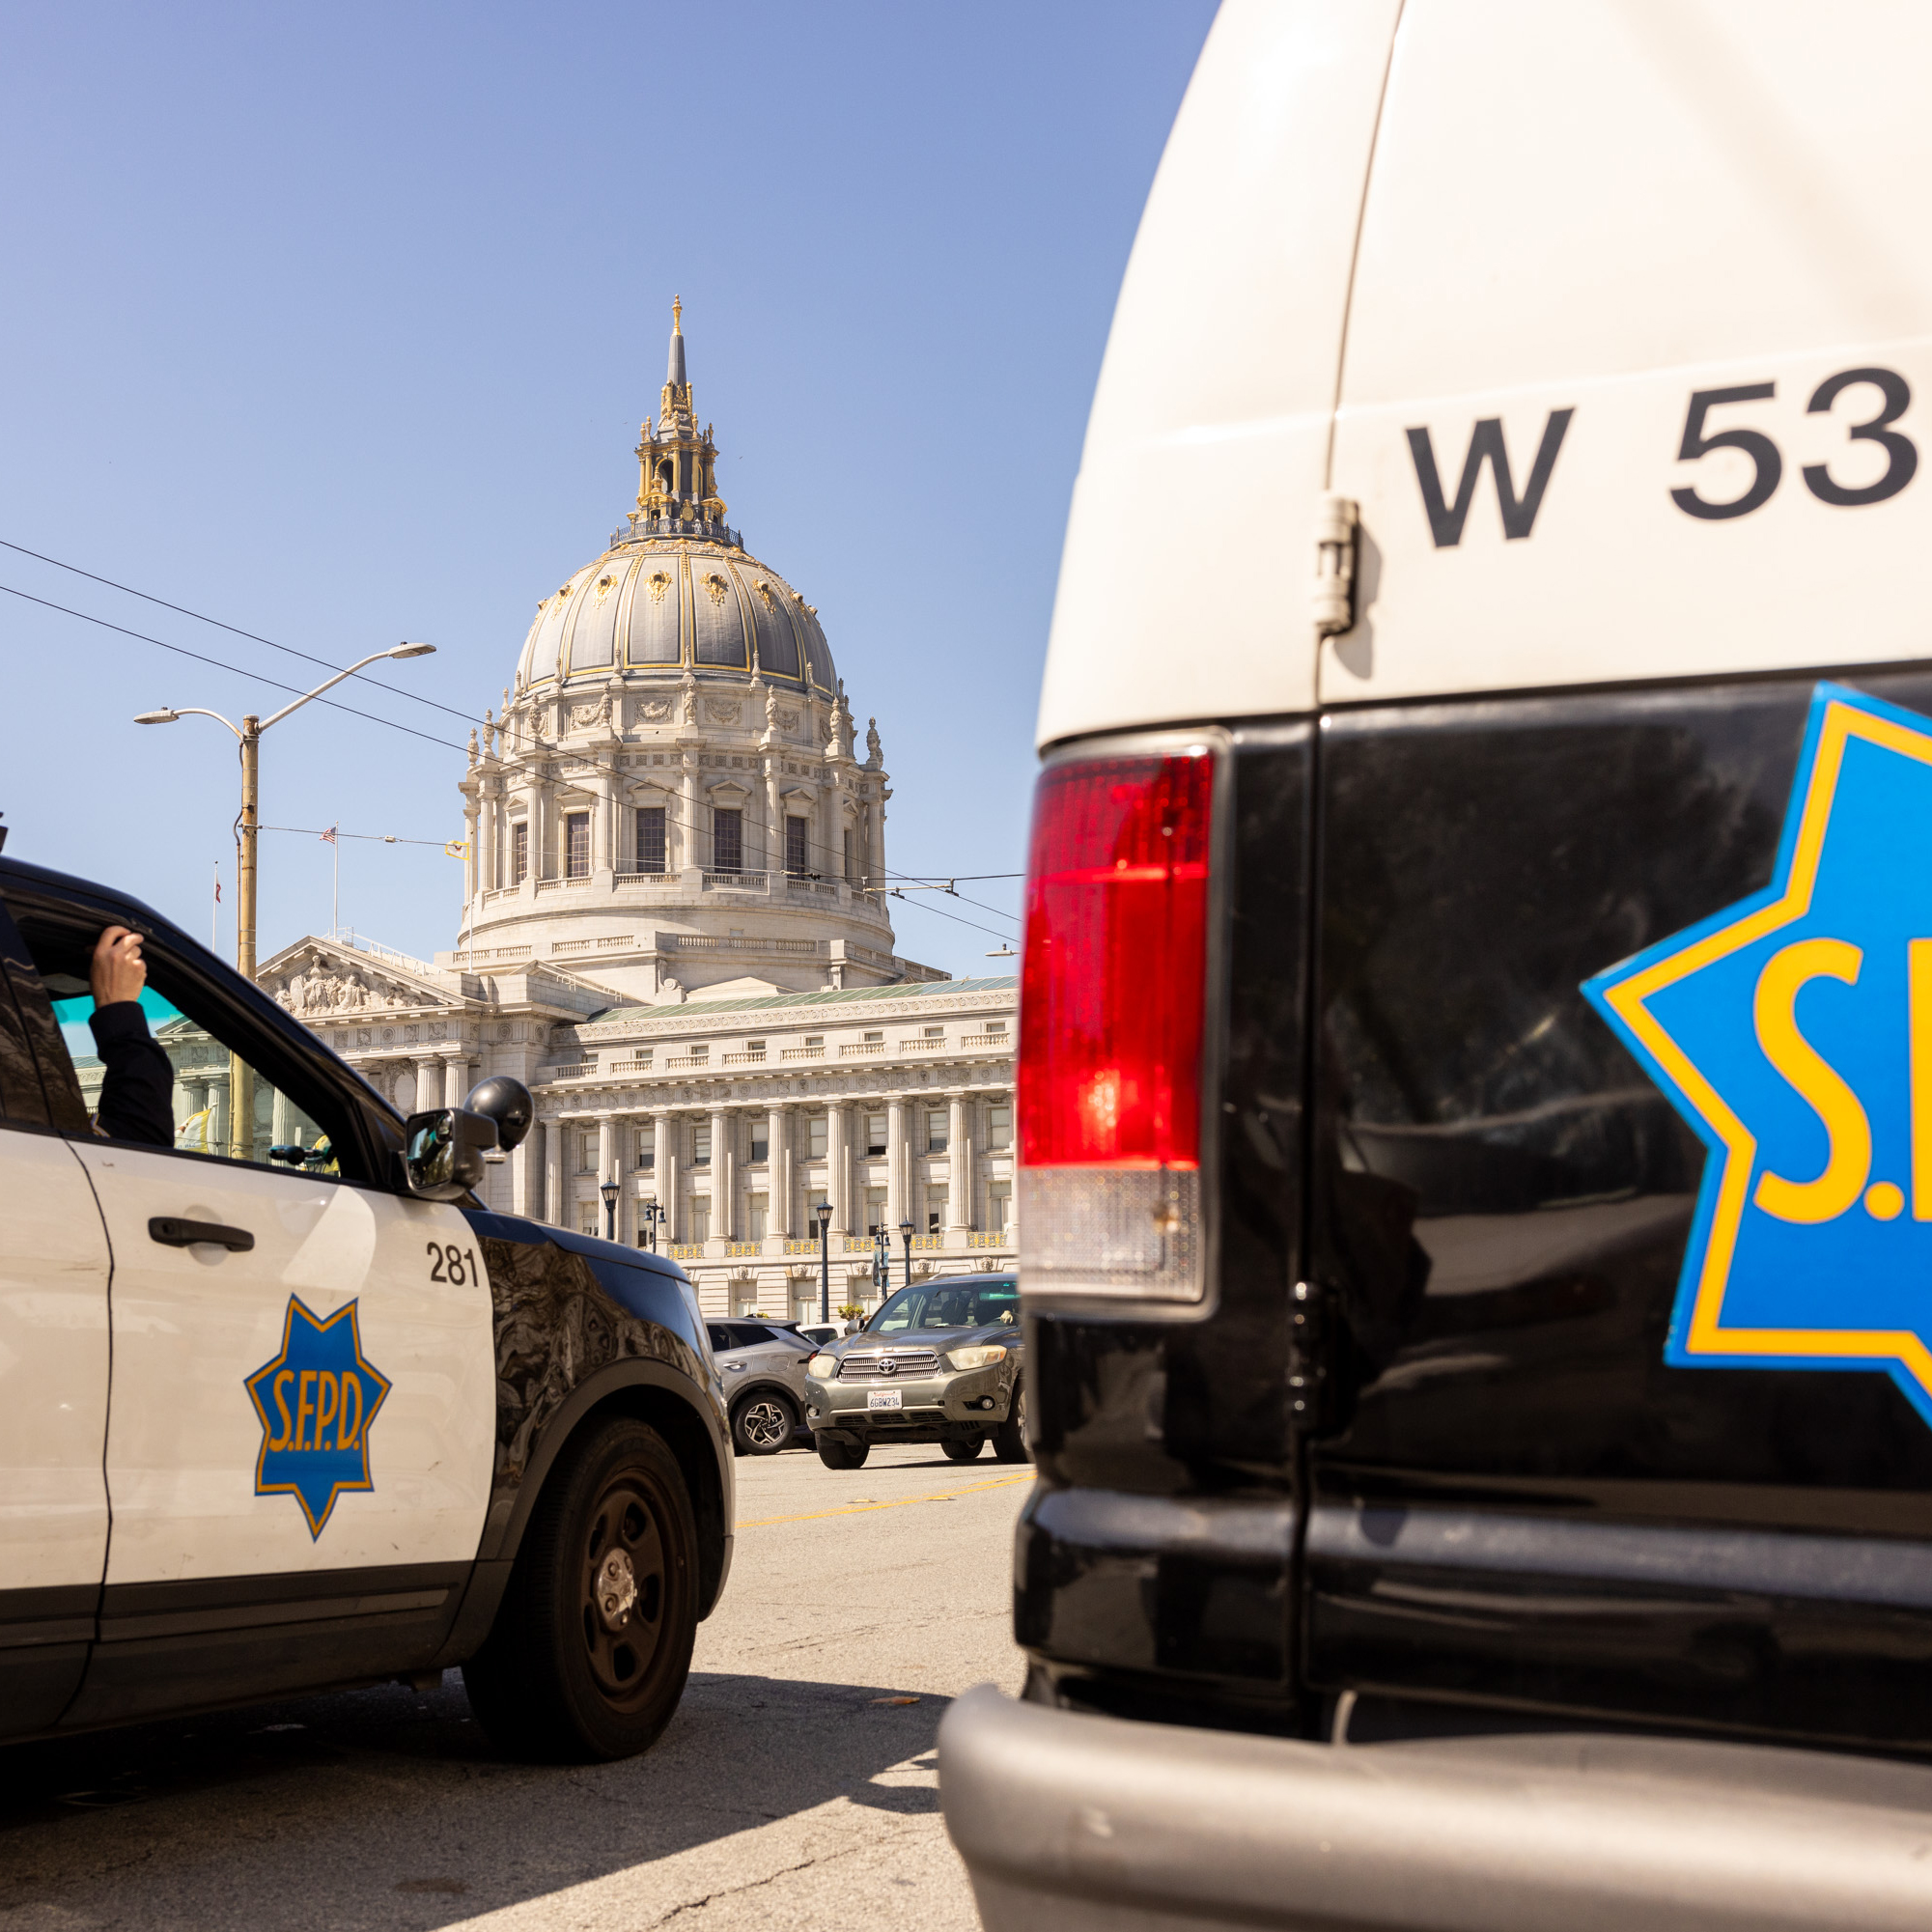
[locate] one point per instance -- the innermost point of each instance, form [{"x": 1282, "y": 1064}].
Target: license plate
[{"x": 886, "y": 1398}]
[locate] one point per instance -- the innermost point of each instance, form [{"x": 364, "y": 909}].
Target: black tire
[
  {"x": 571, "y": 1671},
  {"x": 763, "y": 1423},
  {"x": 963, "y": 1452},
  {"x": 843, "y": 1455},
  {"x": 1009, "y": 1440}
]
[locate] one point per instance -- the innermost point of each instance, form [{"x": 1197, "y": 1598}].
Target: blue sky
[{"x": 338, "y": 325}]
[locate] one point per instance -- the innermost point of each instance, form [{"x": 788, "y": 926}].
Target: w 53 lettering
[{"x": 1893, "y": 398}]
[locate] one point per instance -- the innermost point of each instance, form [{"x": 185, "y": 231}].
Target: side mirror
[
  {"x": 508, "y": 1104},
  {"x": 443, "y": 1152}
]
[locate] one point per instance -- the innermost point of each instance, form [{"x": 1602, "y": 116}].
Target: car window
[
  {"x": 720, "y": 1336},
  {"x": 949, "y": 1304},
  {"x": 219, "y": 1102},
  {"x": 787, "y": 1339}
]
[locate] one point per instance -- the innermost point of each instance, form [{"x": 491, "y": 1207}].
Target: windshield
[{"x": 948, "y": 1305}]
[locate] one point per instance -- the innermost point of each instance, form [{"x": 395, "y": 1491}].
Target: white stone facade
[{"x": 675, "y": 934}]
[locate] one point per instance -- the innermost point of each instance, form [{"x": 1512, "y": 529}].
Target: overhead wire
[{"x": 372, "y": 718}]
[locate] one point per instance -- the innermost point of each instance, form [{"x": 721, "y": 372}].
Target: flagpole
[{"x": 214, "y": 912}]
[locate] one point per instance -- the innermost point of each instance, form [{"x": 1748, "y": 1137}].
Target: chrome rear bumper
[{"x": 1070, "y": 1823}]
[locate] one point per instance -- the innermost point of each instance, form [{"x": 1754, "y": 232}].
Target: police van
[
  {"x": 1475, "y": 1072},
  {"x": 282, "y": 1409}
]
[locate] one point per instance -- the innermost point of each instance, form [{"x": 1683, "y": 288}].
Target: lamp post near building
[
  {"x": 650, "y": 1215},
  {"x": 610, "y": 1190},
  {"x": 823, "y": 1211},
  {"x": 241, "y": 1077},
  {"x": 905, "y": 1235}
]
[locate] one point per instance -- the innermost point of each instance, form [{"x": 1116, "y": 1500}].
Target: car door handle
[{"x": 171, "y": 1232}]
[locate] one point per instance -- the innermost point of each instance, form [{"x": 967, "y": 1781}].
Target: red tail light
[{"x": 1111, "y": 1014}]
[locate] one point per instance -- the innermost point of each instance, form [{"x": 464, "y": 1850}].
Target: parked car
[
  {"x": 1475, "y": 1084},
  {"x": 818, "y": 1333},
  {"x": 359, "y": 1426},
  {"x": 943, "y": 1362},
  {"x": 763, "y": 1366}
]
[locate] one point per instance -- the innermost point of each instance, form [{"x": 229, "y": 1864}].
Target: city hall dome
[{"x": 676, "y": 591}]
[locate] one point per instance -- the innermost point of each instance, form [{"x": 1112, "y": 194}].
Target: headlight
[
  {"x": 976, "y": 1357},
  {"x": 824, "y": 1366}
]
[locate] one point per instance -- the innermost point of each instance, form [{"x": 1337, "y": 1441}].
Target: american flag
[{"x": 328, "y": 837}]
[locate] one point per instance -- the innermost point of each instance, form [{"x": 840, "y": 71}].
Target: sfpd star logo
[
  {"x": 315, "y": 1400},
  {"x": 1793, "y": 1032}
]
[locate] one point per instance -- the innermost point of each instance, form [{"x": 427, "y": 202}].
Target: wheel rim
[
  {"x": 766, "y": 1424},
  {"x": 625, "y": 1588}
]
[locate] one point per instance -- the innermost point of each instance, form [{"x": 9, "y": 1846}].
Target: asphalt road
[{"x": 794, "y": 1788}]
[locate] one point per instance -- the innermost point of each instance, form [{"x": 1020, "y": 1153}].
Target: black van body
[{"x": 1422, "y": 1450}]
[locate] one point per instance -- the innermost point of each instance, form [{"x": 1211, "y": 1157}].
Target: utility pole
[
  {"x": 240, "y": 1075},
  {"x": 247, "y": 826}
]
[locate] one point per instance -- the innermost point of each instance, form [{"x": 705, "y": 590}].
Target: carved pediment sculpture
[
  {"x": 654, "y": 711},
  {"x": 724, "y": 711}
]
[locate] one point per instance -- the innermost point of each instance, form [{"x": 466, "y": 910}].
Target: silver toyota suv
[{"x": 940, "y": 1362}]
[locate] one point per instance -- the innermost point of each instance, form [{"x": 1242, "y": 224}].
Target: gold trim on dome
[
  {"x": 715, "y": 587},
  {"x": 659, "y": 582}
]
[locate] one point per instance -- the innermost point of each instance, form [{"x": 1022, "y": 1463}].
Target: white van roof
[{"x": 1407, "y": 253}]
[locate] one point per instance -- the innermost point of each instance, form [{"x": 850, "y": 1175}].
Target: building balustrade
[
  {"x": 687, "y": 1060},
  {"x": 997, "y": 1238},
  {"x": 1000, "y": 1039},
  {"x": 921, "y": 1045},
  {"x": 744, "y": 1059},
  {"x": 855, "y": 1049},
  {"x": 582, "y": 1070},
  {"x": 801, "y": 1052},
  {"x": 739, "y": 882}
]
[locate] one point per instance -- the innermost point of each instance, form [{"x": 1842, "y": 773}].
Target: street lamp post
[
  {"x": 610, "y": 1191},
  {"x": 240, "y": 1076},
  {"x": 823, "y": 1211},
  {"x": 905, "y": 1235},
  {"x": 650, "y": 1215}
]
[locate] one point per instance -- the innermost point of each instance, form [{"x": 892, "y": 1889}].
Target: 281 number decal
[
  {"x": 454, "y": 1265},
  {"x": 1768, "y": 464}
]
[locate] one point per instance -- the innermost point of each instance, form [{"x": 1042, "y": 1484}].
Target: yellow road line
[{"x": 866, "y": 1508}]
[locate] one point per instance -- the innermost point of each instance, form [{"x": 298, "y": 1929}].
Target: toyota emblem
[{"x": 889, "y": 1365}]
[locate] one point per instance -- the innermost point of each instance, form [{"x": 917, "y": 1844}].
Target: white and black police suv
[
  {"x": 282, "y": 1409},
  {"x": 1475, "y": 1066}
]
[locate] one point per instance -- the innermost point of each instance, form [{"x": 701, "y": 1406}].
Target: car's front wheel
[
  {"x": 592, "y": 1643},
  {"x": 843, "y": 1455},
  {"x": 963, "y": 1452},
  {"x": 762, "y": 1424},
  {"x": 1009, "y": 1440}
]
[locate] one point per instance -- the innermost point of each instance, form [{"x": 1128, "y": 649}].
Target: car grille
[{"x": 864, "y": 1366}]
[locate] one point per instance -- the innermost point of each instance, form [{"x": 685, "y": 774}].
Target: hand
[{"x": 118, "y": 970}]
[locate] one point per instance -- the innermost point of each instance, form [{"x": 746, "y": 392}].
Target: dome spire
[
  {"x": 674, "y": 374},
  {"x": 676, "y": 461}
]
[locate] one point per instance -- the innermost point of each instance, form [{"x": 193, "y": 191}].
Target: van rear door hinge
[
  {"x": 1331, "y": 596},
  {"x": 1310, "y": 1309}
]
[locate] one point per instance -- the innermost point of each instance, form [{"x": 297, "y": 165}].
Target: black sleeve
[{"x": 137, "y": 1092}]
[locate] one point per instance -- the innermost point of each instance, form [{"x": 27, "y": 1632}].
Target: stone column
[
  {"x": 667, "y": 1179},
  {"x": 281, "y": 1120},
  {"x": 691, "y": 832},
  {"x": 428, "y": 1083},
  {"x": 898, "y": 1165},
  {"x": 533, "y": 830},
  {"x": 958, "y": 1164},
  {"x": 779, "y": 1170},
  {"x": 722, "y": 1177},
  {"x": 838, "y": 1180},
  {"x": 526, "y": 1171},
  {"x": 607, "y": 1158},
  {"x": 553, "y": 1174},
  {"x": 456, "y": 1080}
]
